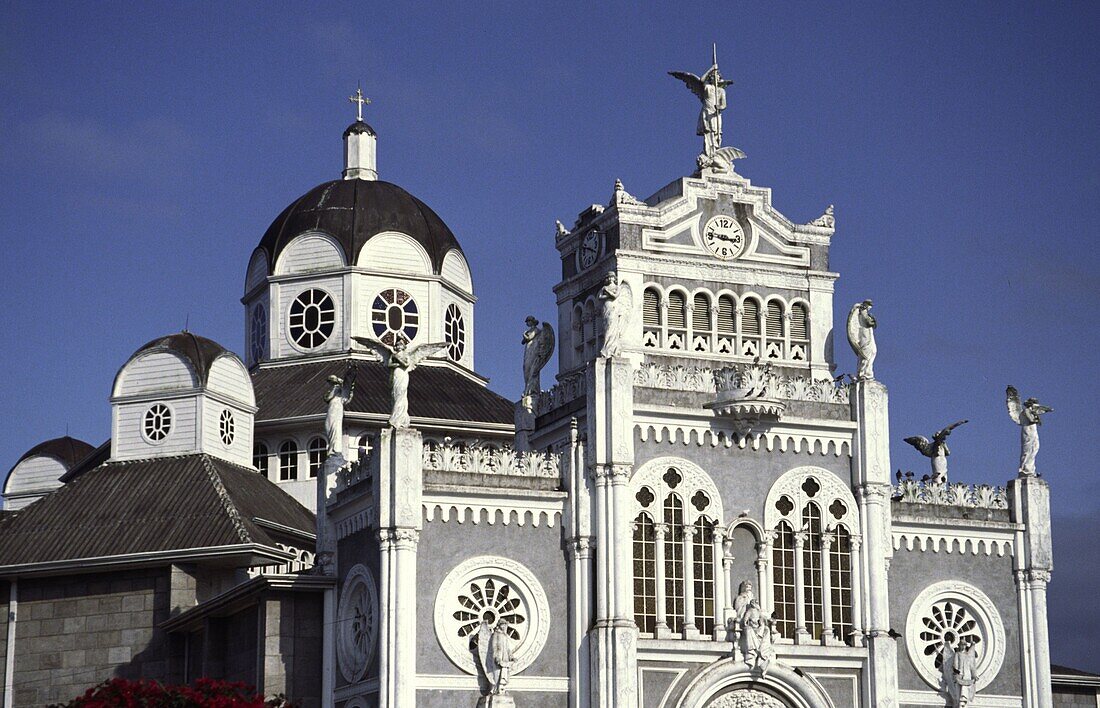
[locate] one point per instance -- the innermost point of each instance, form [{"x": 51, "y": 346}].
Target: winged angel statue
[
  {"x": 936, "y": 449},
  {"x": 494, "y": 652},
  {"x": 710, "y": 89},
  {"x": 861, "y": 335},
  {"x": 1028, "y": 415},
  {"x": 400, "y": 361},
  {"x": 618, "y": 306},
  {"x": 538, "y": 346}
]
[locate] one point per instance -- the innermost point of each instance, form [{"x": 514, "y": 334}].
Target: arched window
[
  {"x": 645, "y": 573},
  {"x": 727, "y": 325},
  {"x": 811, "y": 568},
  {"x": 677, "y": 320},
  {"x": 817, "y": 563},
  {"x": 676, "y": 550},
  {"x": 700, "y": 322},
  {"x": 800, "y": 331},
  {"x": 260, "y": 458},
  {"x": 651, "y": 318},
  {"x": 773, "y": 329},
  {"x": 317, "y": 448},
  {"x": 288, "y": 461},
  {"x": 750, "y": 327},
  {"x": 783, "y": 580},
  {"x": 840, "y": 574}
]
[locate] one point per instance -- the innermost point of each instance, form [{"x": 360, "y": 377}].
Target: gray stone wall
[
  {"x": 360, "y": 547},
  {"x": 445, "y": 545},
  {"x": 1075, "y": 697},
  {"x": 843, "y": 690},
  {"x": 743, "y": 477},
  {"x": 913, "y": 571},
  {"x": 74, "y": 632},
  {"x": 451, "y": 699},
  {"x": 292, "y": 647},
  {"x": 5, "y": 590}
]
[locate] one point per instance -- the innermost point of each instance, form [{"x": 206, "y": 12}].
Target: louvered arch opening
[
  {"x": 750, "y": 318},
  {"x": 774, "y": 320},
  {"x": 727, "y": 315},
  {"x": 700, "y": 313},
  {"x": 677, "y": 310},
  {"x": 800, "y": 322},
  {"x": 651, "y": 308}
]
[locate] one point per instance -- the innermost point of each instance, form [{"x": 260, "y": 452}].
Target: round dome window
[
  {"x": 394, "y": 315},
  {"x": 312, "y": 318}
]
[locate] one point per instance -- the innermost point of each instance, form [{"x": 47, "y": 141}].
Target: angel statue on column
[
  {"x": 861, "y": 335},
  {"x": 538, "y": 346},
  {"x": 936, "y": 450},
  {"x": 1028, "y": 415},
  {"x": 400, "y": 361},
  {"x": 618, "y": 304},
  {"x": 340, "y": 393}
]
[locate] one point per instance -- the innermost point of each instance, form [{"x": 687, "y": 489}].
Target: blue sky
[{"x": 145, "y": 148}]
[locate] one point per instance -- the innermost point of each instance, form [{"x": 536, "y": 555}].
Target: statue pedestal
[{"x": 496, "y": 701}]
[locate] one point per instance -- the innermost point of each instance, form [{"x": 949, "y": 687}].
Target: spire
[{"x": 360, "y": 144}]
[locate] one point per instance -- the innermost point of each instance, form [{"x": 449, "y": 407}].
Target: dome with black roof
[{"x": 353, "y": 211}]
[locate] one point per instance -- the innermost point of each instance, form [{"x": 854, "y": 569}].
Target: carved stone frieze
[
  {"x": 706, "y": 380},
  {"x": 979, "y": 496},
  {"x": 483, "y": 457},
  {"x": 568, "y": 388}
]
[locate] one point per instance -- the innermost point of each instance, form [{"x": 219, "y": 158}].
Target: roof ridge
[{"x": 227, "y": 501}]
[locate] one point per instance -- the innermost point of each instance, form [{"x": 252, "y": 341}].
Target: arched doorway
[{"x": 732, "y": 684}]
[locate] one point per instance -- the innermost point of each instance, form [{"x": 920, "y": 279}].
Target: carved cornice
[
  {"x": 487, "y": 457},
  {"x": 770, "y": 440},
  {"x": 568, "y": 388},
  {"x": 708, "y": 380},
  {"x": 980, "y": 496}
]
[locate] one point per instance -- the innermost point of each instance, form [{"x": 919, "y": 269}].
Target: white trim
[
  {"x": 931, "y": 698},
  {"x": 961, "y": 536},
  {"x": 81, "y": 565},
  {"x": 549, "y": 684}
]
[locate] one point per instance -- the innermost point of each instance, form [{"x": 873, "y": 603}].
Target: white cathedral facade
[{"x": 696, "y": 514}]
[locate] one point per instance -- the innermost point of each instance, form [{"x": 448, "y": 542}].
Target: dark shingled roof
[
  {"x": 353, "y": 211},
  {"x": 157, "y": 505},
  {"x": 434, "y": 392},
  {"x": 1067, "y": 671},
  {"x": 200, "y": 351},
  {"x": 68, "y": 450},
  {"x": 359, "y": 127}
]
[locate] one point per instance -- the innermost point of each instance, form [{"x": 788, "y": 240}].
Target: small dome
[
  {"x": 199, "y": 351},
  {"x": 353, "y": 211},
  {"x": 358, "y": 128},
  {"x": 68, "y": 451}
]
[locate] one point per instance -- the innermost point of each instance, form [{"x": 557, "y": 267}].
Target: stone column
[
  {"x": 871, "y": 476},
  {"x": 399, "y": 493},
  {"x": 801, "y": 635},
  {"x": 690, "y": 630},
  {"x": 727, "y": 579},
  {"x": 828, "y": 636},
  {"x": 1030, "y": 497},
  {"x": 579, "y": 524},
  {"x": 763, "y": 577},
  {"x": 1037, "y": 583},
  {"x": 720, "y": 580},
  {"x": 857, "y": 595},
  {"x": 661, "y": 630},
  {"x": 614, "y": 635}
]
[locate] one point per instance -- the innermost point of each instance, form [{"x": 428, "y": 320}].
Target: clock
[
  {"x": 724, "y": 237},
  {"x": 590, "y": 249}
]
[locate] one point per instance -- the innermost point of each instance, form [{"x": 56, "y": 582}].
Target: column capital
[
  {"x": 1038, "y": 575},
  {"x": 581, "y": 546},
  {"x": 660, "y": 531},
  {"x": 827, "y": 539},
  {"x": 857, "y": 541},
  {"x": 800, "y": 540},
  {"x": 616, "y": 474},
  {"x": 873, "y": 493}
]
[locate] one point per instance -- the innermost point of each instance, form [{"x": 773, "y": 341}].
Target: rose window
[
  {"x": 948, "y": 624},
  {"x": 455, "y": 330},
  {"x": 489, "y": 602},
  {"x": 157, "y": 423},
  {"x": 946, "y": 615},
  {"x": 394, "y": 315},
  {"x": 312, "y": 318},
  {"x": 226, "y": 427},
  {"x": 358, "y": 623},
  {"x": 258, "y": 333}
]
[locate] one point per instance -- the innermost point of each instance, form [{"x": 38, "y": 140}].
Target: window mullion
[{"x": 661, "y": 626}]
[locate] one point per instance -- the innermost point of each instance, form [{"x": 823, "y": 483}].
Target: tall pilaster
[
  {"x": 579, "y": 523},
  {"x": 611, "y": 448},
  {"x": 399, "y": 492},
  {"x": 871, "y": 476},
  {"x": 1031, "y": 508}
]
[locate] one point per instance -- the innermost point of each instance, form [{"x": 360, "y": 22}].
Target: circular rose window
[
  {"x": 487, "y": 590},
  {"x": 157, "y": 423},
  {"x": 357, "y": 623},
  {"x": 943, "y": 617},
  {"x": 394, "y": 315},
  {"x": 312, "y": 318}
]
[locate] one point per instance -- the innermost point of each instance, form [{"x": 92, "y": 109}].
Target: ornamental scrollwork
[
  {"x": 706, "y": 380},
  {"x": 979, "y": 496}
]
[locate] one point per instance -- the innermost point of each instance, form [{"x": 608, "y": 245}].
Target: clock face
[
  {"x": 724, "y": 237},
  {"x": 590, "y": 248}
]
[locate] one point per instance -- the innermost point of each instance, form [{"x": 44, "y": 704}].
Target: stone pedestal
[
  {"x": 496, "y": 701},
  {"x": 524, "y": 418},
  {"x": 326, "y": 534},
  {"x": 1031, "y": 507}
]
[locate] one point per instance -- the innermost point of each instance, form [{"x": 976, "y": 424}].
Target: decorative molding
[
  {"x": 462, "y": 509},
  {"x": 568, "y": 388},
  {"x": 829, "y": 490},
  {"x": 974, "y": 542},
  {"x": 693, "y": 479},
  {"x": 775, "y": 438},
  {"x": 355, "y": 523},
  {"x": 357, "y": 623},
  {"x": 454, "y": 682},
  {"x": 980, "y": 496},
  {"x": 972, "y": 614},
  {"x": 456, "y": 613},
  {"x": 707, "y": 380},
  {"x": 484, "y": 457}
]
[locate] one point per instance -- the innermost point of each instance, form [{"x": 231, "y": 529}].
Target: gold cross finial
[{"x": 360, "y": 101}]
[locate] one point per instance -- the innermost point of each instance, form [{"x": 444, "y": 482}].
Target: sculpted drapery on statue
[
  {"x": 617, "y": 305},
  {"x": 400, "y": 361},
  {"x": 753, "y": 629},
  {"x": 960, "y": 673},
  {"x": 494, "y": 653},
  {"x": 861, "y": 335},
  {"x": 710, "y": 89},
  {"x": 538, "y": 346},
  {"x": 936, "y": 449},
  {"x": 340, "y": 392},
  {"x": 1028, "y": 415}
]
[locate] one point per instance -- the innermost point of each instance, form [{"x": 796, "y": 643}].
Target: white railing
[
  {"x": 979, "y": 496},
  {"x": 481, "y": 457}
]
